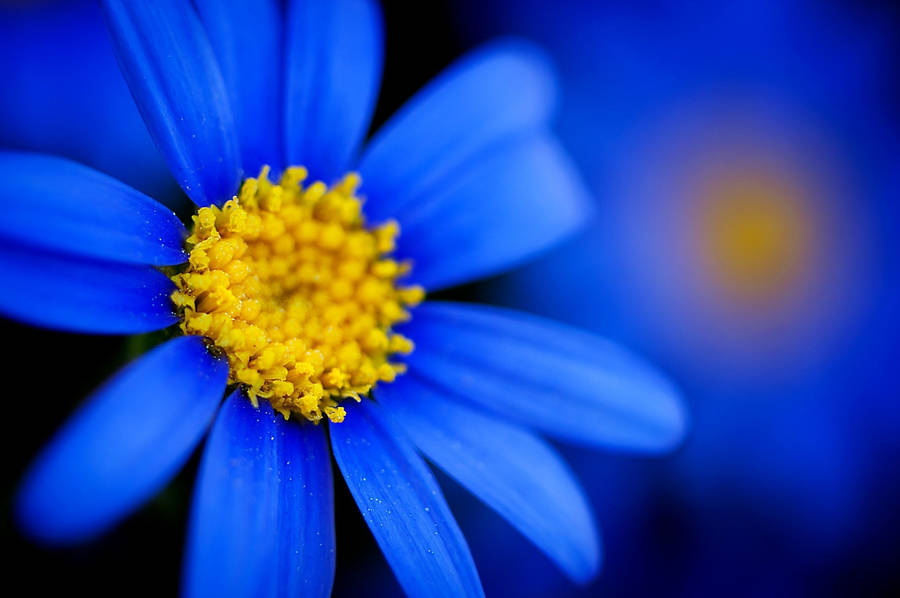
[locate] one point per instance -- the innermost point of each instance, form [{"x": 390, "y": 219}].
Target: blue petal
[
  {"x": 334, "y": 58},
  {"x": 513, "y": 471},
  {"x": 246, "y": 38},
  {"x": 63, "y": 94},
  {"x": 82, "y": 295},
  {"x": 502, "y": 91},
  {"x": 124, "y": 444},
  {"x": 170, "y": 68},
  {"x": 403, "y": 505},
  {"x": 63, "y": 206},
  {"x": 496, "y": 213},
  {"x": 262, "y": 521},
  {"x": 549, "y": 376}
]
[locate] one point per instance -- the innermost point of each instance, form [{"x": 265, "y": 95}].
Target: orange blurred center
[{"x": 756, "y": 235}]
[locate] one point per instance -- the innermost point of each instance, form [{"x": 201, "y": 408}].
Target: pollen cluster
[{"x": 297, "y": 292}]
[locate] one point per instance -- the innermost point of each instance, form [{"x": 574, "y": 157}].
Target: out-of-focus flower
[
  {"x": 736, "y": 155},
  {"x": 282, "y": 291},
  {"x": 744, "y": 162},
  {"x": 741, "y": 243}
]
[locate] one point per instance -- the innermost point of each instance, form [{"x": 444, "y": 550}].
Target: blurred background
[{"x": 744, "y": 161}]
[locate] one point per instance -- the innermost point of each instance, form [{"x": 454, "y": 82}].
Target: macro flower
[{"x": 297, "y": 290}]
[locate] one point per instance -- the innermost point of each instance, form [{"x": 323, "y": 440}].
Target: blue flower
[{"x": 472, "y": 176}]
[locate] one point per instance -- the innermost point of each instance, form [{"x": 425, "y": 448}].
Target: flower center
[
  {"x": 758, "y": 236},
  {"x": 297, "y": 292}
]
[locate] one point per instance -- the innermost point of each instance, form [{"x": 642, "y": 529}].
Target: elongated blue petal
[
  {"x": 501, "y": 91},
  {"x": 63, "y": 206},
  {"x": 82, "y": 295},
  {"x": 124, "y": 444},
  {"x": 64, "y": 94},
  {"x": 558, "y": 379},
  {"x": 262, "y": 521},
  {"x": 170, "y": 68},
  {"x": 513, "y": 471},
  {"x": 246, "y": 36},
  {"x": 496, "y": 213},
  {"x": 334, "y": 58},
  {"x": 404, "y": 507}
]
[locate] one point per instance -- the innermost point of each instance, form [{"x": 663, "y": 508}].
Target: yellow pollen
[{"x": 297, "y": 292}]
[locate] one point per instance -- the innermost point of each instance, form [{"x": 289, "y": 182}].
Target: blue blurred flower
[
  {"x": 477, "y": 183},
  {"x": 744, "y": 157}
]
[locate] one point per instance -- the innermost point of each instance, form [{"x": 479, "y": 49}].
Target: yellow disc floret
[{"x": 297, "y": 292}]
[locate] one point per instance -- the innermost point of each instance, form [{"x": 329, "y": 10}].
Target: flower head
[
  {"x": 300, "y": 286},
  {"x": 299, "y": 295}
]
